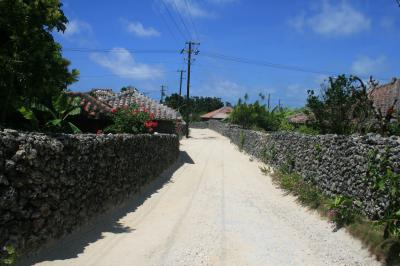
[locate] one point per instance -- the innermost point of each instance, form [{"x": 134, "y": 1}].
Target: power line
[
  {"x": 263, "y": 63},
  {"x": 113, "y": 50},
  {"x": 173, "y": 20},
  {"x": 117, "y": 75},
  {"x": 182, "y": 20},
  {"x": 274, "y": 65},
  {"x": 166, "y": 23},
  {"x": 192, "y": 20}
]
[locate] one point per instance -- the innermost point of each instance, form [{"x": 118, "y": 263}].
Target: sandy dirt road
[{"x": 214, "y": 207}]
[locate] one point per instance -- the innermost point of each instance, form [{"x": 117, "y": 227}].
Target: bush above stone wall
[
  {"x": 51, "y": 184},
  {"x": 338, "y": 165}
]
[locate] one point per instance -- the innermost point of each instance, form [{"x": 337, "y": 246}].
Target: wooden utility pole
[
  {"x": 190, "y": 50},
  {"x": 269, "y": 100},
  {"x": 180, "y": 83},
  {"x": 163, "y": 89}
]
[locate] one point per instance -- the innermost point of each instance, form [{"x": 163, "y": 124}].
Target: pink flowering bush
[{"x": 132, "y": 120}]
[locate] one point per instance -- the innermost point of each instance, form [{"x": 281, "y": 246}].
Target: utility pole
[
  {"x": 269, "y": 100},
  {"x": 163, "y": 89},
  {"x": 180, "y": 83},
  {"x": 190, "y": 50},
  {"x": 279, "y": 104}
]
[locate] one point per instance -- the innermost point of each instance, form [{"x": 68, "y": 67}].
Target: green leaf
[
  {"x": 55, "y": 122},
  {"x": 43, "y": 108},
  {"x": 75, "y": 111},
  {"x": 381, "y": 184},
  {"x": 28, "y": 114},
  {"x": 393, "y": 191},
  {"x": 74, "y": 128}
]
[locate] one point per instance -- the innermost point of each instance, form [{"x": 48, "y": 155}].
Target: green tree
[
  {"x": 195, "y": 107},
  {"x": 343, "y": 106},
  {"x": 256, "y": 115},
  {"x": 32, "y": 68}
]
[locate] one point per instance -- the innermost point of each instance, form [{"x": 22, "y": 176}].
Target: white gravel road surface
[{"x": 214, "y": 207}]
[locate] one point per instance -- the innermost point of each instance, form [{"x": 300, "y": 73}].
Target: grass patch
[{"x": 341, "y": 211}]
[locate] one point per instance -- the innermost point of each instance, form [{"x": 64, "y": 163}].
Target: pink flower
[{"x": 114, "y": 110}]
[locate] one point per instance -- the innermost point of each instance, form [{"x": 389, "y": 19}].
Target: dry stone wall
[
  {"x": 52, "y": 184},
  {"x": 199, "y": 124},
  {"x": 338, "y": 165}
]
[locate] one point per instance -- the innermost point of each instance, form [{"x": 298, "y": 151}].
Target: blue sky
[{"x": 123, "y": 42}]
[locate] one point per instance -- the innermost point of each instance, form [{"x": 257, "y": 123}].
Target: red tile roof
[
  {"x": 300, "y": 118},
  {"x": 91, "y": 106},
  {"x": 221, "y": 113},
  {"x": 385, "y": 95},
  {"x": 104, "y": 100}
]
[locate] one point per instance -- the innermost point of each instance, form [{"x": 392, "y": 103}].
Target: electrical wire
[
  {"x": 192, "y": 20},
  {"x": 173, "y": 20},
  {"x": 275, "y": 65},
  {"x": 166, "y": 22},
  {"x": 263, "y": 63},
  {"x": 116, "y": 75},
  {"x": 109, "y": 50},
  {"x": 182, "y": 20}
]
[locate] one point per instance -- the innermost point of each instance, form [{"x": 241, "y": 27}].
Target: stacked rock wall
[
  {"x": 52, "y": 184},
  {"x": 338, "y": 165}
]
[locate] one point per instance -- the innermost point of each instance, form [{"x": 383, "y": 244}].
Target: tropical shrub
[
  {"x": 132, "y": 120},
  {"x": 343, "y": 106},
  {"x": 342, "y": 211},
  {"x": 307, "y": 130},
  {"x": 255, "y": 115},
  {"x": 53, "y": 117}
]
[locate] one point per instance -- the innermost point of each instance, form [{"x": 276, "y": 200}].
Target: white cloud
[
  {"x": 77, "y": 27},
  {"x": 365, "y": 65},
  {"x": 223, "y": 88},
  {"x": 122, "y": 63},
  {"x": 188, "y": 8},
  {"x": 79, "y": 32},
  {"x": 333, "y": 19},
  {"x": 139, "y": 30},
  {"x": 320, "y": 79}
]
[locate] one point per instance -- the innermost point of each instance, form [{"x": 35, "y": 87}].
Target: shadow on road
[{"x": 72, "y": 245}]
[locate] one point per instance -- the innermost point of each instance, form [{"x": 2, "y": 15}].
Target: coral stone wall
[
  {"x": 199, "y": 124},
  {"x": 338, "y": 165},
  {"x": 51, "y": 184}
]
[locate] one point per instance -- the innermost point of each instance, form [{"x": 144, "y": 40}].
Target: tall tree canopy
[
  {"x": 343, "y": 106},
  {"x": 31, "y": 65},
  {"x": 196, "y": 107}
]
